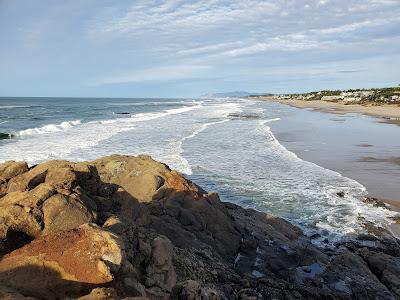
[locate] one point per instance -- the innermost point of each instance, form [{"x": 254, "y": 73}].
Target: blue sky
[{"x": 188, "y": 48}]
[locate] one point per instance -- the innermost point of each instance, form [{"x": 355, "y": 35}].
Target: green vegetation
[
  {"x": 389, "y": 95},
  {"x": 384, "y": 93},
  {"x": 331, "y": 93}
]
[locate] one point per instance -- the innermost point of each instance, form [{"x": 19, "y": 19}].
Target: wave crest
[{"x": 49, "y": 128}]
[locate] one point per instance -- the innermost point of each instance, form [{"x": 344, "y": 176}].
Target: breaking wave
[{"x": 49, "y": 128}]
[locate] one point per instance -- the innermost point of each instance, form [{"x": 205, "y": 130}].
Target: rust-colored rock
[
  {"x": 129, "y": 227},
  {"x": 73, "y": 260}
]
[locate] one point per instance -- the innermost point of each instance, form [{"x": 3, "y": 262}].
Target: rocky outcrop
[
  {"x": 385, "y": 267},
  {"x": 63, "y": 262},
  {"x": 9, "y": 170},
  {"x": 124, "y": 226}
]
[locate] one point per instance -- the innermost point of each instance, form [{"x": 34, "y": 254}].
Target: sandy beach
[
  {"x": 389, "y": 113},
  {"x": 376, "y": 174},
  {"x": 355, "y": 146}
]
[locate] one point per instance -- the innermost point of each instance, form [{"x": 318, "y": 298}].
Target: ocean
[{"x": 225, "y": 145}]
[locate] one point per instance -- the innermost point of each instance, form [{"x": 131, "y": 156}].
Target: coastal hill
[
  {"x": 124, "y": 226},
  {"x": 377, "y": 96}
]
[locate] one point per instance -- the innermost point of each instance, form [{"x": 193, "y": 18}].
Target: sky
[{"x": 107, "y": 48}]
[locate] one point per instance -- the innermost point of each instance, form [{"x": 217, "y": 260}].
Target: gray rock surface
[{"x": 124, "y": 227}]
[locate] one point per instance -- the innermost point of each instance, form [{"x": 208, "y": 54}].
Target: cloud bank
[{"x": 178, "y": 48}]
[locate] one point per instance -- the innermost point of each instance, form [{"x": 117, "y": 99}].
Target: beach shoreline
[
  {"x": 386, "y": 113},
  {"x": 390, "y": 113}
]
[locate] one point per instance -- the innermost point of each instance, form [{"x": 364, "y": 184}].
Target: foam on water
[
  {"x": 332, "y": 210},
  {"x": 149, "y": 103},
  {"x": 58, "y": 141},
  {"x": 237, "y": 157},
  {"x": 49, "y": 128},
  {"x": 259, "y": 172},
  {"x": 184, "y": 164},
  {"x": 150, "y": 116},
  {"x": 169, "y": 133}
]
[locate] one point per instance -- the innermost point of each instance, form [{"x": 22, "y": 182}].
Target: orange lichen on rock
[{"x": 88, "y": 254}]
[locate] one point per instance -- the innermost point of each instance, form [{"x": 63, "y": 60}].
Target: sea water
[{"x": 224, "y": 145}]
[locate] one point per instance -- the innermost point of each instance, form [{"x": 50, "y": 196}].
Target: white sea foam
[
  {"x": 246, "y": 164},
  {"x": 270, "y": 120},
  {"x": 266, "y": 130},
  {"x": 224, "y": 109},
  {"x": 140, "y": 117},
  {"x": 332, "y": 211},
  {"x": 150, "y": 103},
  {"x": 164, "y": 138},
  {"x": 185, "y": 166},
  {"x": 49, "y": 128},
  {"x": 106, "y": 121},
  {"x": 53, "y": 141},
  {"x": 242, "y": 160}
]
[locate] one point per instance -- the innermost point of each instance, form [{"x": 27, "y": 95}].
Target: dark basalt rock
[
  {"x": 124, "y": 226},
  {"x": 5, "y": 136},
  {"x": 375, "y": 202},
  {"x": 248, "y": 116},
  {"x": 340, "y": 194}
]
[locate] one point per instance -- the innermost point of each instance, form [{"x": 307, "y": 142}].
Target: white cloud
[
  {"x": 295, "y": 42},
  {"x": 162, "y": 73},
  {"x": 197, "y": 36},
  {"x": 182, "y": 16},
  {"x": 208, "y": 49},
  {"x": 176, "y": 40},
  {"x": 220, "y": 25},
  {"x": 357, "y": 25}
]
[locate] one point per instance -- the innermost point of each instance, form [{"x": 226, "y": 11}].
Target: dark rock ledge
[{"x": 129, "y": 227}]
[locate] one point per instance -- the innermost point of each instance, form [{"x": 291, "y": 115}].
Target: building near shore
[{"x": 331, "y": 98}]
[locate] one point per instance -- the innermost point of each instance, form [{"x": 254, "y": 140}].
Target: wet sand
[
  {"x": 388, "y": 113},
  {"x": 358, "y": 146},
  {"x": 360, "y": 142}
]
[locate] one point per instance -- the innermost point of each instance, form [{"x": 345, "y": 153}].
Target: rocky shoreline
[{"x": 129, "y": 227}]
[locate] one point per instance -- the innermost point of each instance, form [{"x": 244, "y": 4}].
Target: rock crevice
[{"x": 124, "y": 226}]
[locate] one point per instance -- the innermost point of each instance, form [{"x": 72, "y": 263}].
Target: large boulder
[
  {"x": 272, "y": 246},
  {"x": 44, "y": 199},
  {"x": 192, "y": 290},
  {"x": 160, "y": 271},
  {"x": 63, "y": 263},
  {"x": 37, "y": 175},
  {"x": 140, "y": 176},
  {"x": 177, "y": 208},
  {"x": 62, "y": 212},
  {"x": 385, "y": 267},
  {"x": 194, "y": 222},
  {"x": 130, "y": 227},
  {"x": 9, "y": 294},
  {"x": 9, "y": 170},
  {"x": 349, "y": 276}
]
